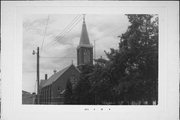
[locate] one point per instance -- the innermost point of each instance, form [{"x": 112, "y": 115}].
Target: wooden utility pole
[
  {"x": 94, "y": 49},
  {"x": 38, "y": 75},
  {"x": 37, "y": 53}
]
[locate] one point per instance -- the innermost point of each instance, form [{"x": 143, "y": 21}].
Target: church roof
[
  {"x": 84, "y": 40},
  {"x": 55, "y": 76}
]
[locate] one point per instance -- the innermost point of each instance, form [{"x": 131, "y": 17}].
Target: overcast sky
[{"x": 57, "y": 53}]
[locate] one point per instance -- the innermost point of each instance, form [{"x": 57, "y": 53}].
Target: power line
[
  {"x": 65, "y": 29},
  {"x": 55, "y": 57},
  {"x": 70, "y": 29},
  {"x": 32, "y": 71},
  {"x": 45, "y": 32},
  {"x": 58, "y": 39},
  {"x": 71, "y": 26}
]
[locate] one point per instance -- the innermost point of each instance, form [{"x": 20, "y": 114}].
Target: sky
[{"x": 57, "y": 37}]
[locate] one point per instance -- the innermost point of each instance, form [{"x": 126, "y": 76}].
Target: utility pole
[
  {"x": 37, "y": 53},
  {"x": 94, "y": 49}
]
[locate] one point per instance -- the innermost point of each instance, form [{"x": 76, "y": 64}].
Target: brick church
[{"x": 52, "y": 89}]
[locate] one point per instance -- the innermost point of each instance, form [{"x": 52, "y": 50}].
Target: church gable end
[{"x": 59, "y": 86}]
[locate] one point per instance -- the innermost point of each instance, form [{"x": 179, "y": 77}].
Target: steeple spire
[
  {"x": 84, "y": 40},
  {"x": 84, "y": 18}
]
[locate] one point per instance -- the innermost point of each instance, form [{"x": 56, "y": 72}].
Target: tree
[
  {"x": 81, "y": 93},
  {"x": 133, "y": 68},
  {"x": 137, "y": 59},
  {"x": 130, "y": 73},
  {"x": 142, "y": 39}
]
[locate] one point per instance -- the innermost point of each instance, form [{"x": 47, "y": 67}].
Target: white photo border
[{"x": 12, "y": 44}]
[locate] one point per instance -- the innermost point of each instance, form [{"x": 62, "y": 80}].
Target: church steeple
[
  {"x": 83, "y": 18},
  {"x": 84, "y": 40},
  {"x": 84, "y": 49}
]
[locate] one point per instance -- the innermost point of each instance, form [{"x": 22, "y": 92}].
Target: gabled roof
[{"x": 55, "y": 76}]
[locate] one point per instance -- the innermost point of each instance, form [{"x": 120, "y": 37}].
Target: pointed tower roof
[{"x": 84, "y": 40}]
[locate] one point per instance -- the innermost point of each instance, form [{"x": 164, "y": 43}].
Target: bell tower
[{"x": 84, "y": 49}]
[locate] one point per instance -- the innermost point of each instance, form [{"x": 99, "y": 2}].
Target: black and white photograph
[{"x": 90, "y": 59}]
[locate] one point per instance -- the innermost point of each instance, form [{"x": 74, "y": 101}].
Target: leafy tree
[
  {"x": 130, "y": 73},
  {"x": 133, "y": 68},
  {"x": 81, "y": 93},
  {"x": 135, "y": 63}
]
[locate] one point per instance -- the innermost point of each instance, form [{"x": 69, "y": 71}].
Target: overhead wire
[
  {"x": 69, "y": 30},
  {"x": 66, "y": 30},
  {"x": 45, "y": 33},
  {"x": 67, "y": 27},
  {"x": 55, "y": 57}
]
